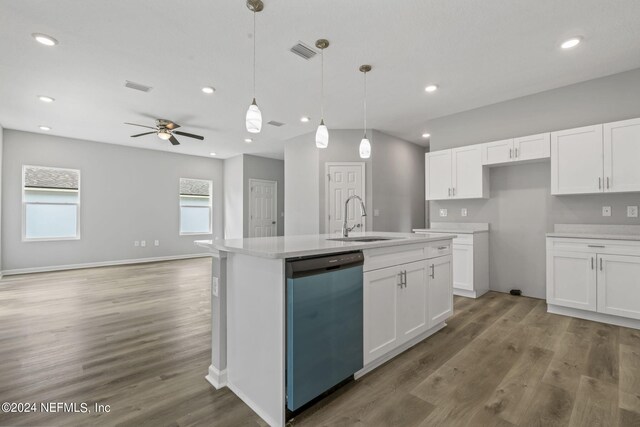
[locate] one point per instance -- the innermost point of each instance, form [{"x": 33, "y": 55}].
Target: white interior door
[
  {"x": 263, "y": 207},
  {"x": 343, "y": 180}
]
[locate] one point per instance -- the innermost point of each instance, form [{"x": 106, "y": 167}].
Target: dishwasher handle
[{"x": 317, "y": 265}]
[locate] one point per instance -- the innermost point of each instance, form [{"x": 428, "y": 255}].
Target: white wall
[
  {"x": 521, "y": 208},
  {"x": 301, "y": 200},
  {"x": 233, "y": 198},
  {"x": 1, "y": 150},
  {"x": 127, "y": 194}
]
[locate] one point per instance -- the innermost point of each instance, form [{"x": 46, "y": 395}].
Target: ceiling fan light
[
  {"x": 164, "y": 135},
  {"x": 365, "y": 148},
  {"x": 254, "y": 118},
  {"x": 322, "y": 136}
]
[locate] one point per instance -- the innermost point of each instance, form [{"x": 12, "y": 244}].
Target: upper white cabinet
[
  {"x": 576, "y": 161},
  {"x": 521, "y": 149},
  {"x": 621, "y": 155},
  {"x": 456, "y": 174},
  {"x": 596, "y": 159}
]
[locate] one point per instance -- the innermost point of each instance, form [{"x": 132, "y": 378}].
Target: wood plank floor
[{"x": 137, "y": 338}]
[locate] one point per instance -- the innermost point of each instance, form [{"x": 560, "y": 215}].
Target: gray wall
[
  {"x": 256, "y": 167},
  {"x": 521, "y": 208},
  {"x": 233, "y": 198},
  {"x": 1, "y": 150},
  {"x": 393, "y": 183},
  {"x": 127, "y": 194}
]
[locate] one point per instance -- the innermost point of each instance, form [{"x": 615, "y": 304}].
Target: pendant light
[
  {"x": 254, "y": 115},
  {"x": 322, "y": 134},
  {"x": 365, "y": 145}
]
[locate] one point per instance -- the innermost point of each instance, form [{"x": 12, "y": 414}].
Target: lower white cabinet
[
  {"x": 594, "y": 276},
  {"x": 404, "y": 301}
]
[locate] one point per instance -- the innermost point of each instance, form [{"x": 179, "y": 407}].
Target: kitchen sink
[{"x": 363, "y": 239}]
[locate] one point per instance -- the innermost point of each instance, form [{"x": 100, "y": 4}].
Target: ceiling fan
[{"x": 165, "y": 129}]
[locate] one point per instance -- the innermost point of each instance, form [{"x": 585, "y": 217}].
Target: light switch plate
[
  {"x": 606, "y": 211},
  {"x": 156, "y": 242},
  {"x": 463, "y": 212},
  {"x": 632, "y": 211},
  {"x": 143, "y": 243},
  {"x": 443, "y": 212},
  {"x": 136, "y": 243}
]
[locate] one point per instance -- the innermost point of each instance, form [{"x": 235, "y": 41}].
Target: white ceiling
[{"x": 479, "y": 52}]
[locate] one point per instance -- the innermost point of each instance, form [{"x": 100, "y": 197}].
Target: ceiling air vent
[
  {"x": 137, "y": 86},
  {"x": 274, "y": 123},
  {"x": 303, "y": 51}
]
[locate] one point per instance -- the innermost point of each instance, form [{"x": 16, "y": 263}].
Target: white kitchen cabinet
[
  {"x": 619, "y": 285},
  {"x": 594, "y": 279},
  {"x": 572, "y": 279},
  {"x": 440, "y": 295},
  {"x": 576, "y": 161},
  {"x": 412, "y": 301},
  {"x": 621, "y": 155},
  {"x": 526, "y": 148},
  {"x": 456, "y": 174}
]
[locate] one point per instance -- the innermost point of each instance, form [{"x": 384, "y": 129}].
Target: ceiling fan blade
[
  {"x": 172, "y": 126},
  {"x": 173, "y": 140},
  {"x": 141, "y": 134},
  {"x": 189, "y": 135},
  {"x": 142, "y": 126}
]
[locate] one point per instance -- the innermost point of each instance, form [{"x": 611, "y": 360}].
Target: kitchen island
[{"x": 407, "y": 296}]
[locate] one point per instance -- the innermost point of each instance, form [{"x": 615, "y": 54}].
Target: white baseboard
[
  {"x": 218, "y": 379},
  {"x": 465, "y": 293},
  {"x": 595, "y": 317},
  {"x": 395, "y": 352},
  {"x": 99, "y": 264}
]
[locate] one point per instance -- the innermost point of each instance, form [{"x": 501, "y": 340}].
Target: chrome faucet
[{"x": 345, "y": 227}]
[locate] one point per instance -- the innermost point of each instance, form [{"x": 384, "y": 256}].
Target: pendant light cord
[
  {"x": 322, "y": 85},
  {"x": 365, "y": 104},
  {"x": 254, "y": 55}
]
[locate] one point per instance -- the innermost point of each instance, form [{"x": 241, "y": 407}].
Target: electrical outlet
[
  {"x": 463, "y": 212},
  {"x": 606, "y": 211},
  {"x": 632, "y": 211},
  {"x": 143, "y": 243},
  {"x": 443, "y": 212},
  {"x": 136, "y": 243},
  {"x": 156, "y": 243},
  {"x": 376, "y": 212}
]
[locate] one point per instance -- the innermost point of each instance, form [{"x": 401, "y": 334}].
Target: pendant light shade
[
  {"x": 254, "y": 118},
  {"x": 365, "y": 145},
  {"x": 322, "y": 134}
]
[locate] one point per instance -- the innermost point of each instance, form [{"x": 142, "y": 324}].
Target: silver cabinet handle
[
  {"x": 404, "y": 274},
  {"x": 401, "y": 283},
  {"x": 607, "y": 183},
  {"x": 595, "y": 246},
  {"x": 592, "y": 263},
  {"x": 600, "y": 264},
  {"x": 440, "y": 248},
  {"x": 449, "y": 191},
  {"x": 433, "y": 271},
  {"x": 453, "y": 191},
  {"x": 599, "y": 183},
  {"x": 511, "y": 153},
  {"x": 516, "y": 153}
]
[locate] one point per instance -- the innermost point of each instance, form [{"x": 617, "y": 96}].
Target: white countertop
[
  {"x": 297, "y": 246},
  {"x": 455, "y": 227},
  {"x": 596, "y": 231}
]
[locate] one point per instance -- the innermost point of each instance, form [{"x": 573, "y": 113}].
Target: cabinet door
[
  {"x": 468, "y": 179},
  {"x": 381, "y": 288},
  {"x": 463, "y": 267},
  {"x": 576, "y": 161},
  {"x": 532, "y": 147},
  {"x": 412, "y": 301},
  {"x": 571, "y": 279},
  {"x": 438, "y": 175},
  {"x": 619, "y": 285},
  {"x": 497, "y": 152},
  {"x": 621, "y": 154},
  {"x": 440, "y": 290}
]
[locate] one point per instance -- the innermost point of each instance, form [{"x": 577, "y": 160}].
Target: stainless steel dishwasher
[{"x": 324, "y": 324}]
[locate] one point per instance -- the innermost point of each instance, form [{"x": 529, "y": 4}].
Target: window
[
  {"x": 195, "y": 206},
  {"x": 50, "y": 203}
]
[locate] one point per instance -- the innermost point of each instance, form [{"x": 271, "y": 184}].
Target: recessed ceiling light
[
  {"x": 305, "y": 119},
  {"x": 45, "y": 128},
  {"x": 426, "y": 135},
  {"x": 45, "y": 98},
  {"x": 213, "y": 154},
  {"x": 248, "y": 140},
  {"x": 572, "y": 42},
  {"x": 208, "y": 90},
  {"x": 44, "y": 39},
  {"x": 431, "y": 88}
]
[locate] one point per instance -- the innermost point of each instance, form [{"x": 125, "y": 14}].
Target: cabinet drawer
[
  {"x": 600, "y": 246},
  {"x": 375, "y": 259},
  {"x": 437, "y": 249},
  {"x": 463, "y": 239}
]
